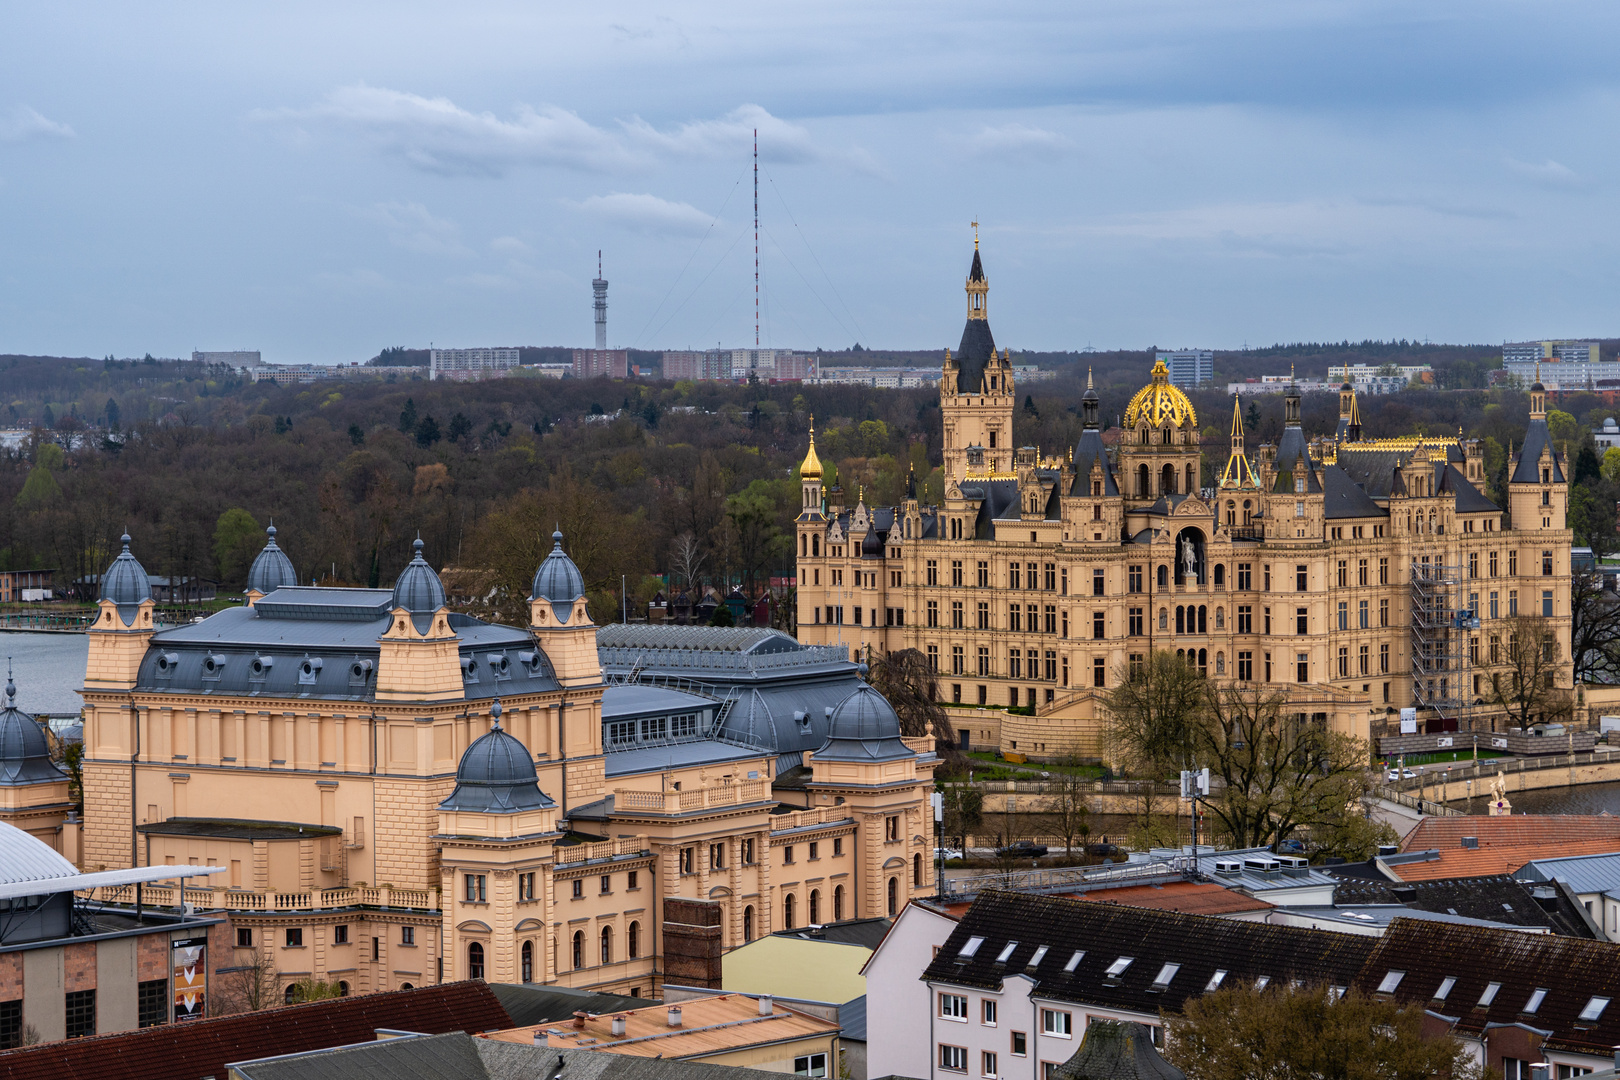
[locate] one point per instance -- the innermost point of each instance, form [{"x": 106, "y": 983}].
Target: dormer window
[
  {"x": 1035, "y": 961},
  {"x": 309, "y": 670},
  {"x": 469, "y": 669},
  {"x": 166, "y": 663},
  {"x": 1535, "y": 1001},
  {"x": 1215, "y": 981},
  {"x": 1161, "y": 981},
  {"x": 1594, "y": 1009},
  {"x": 1445, "y": 988},
  {"x": 1489, "y": 995}
]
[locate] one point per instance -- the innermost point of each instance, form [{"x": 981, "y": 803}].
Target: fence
[
  {"x": 574, "y": 854},
  {"x": 212, "y": 899}
]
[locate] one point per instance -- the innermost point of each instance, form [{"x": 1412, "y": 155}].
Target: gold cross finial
[{"x": 975, "y": 236}]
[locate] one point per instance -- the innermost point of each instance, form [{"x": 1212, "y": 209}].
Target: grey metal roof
[
  {"x": 645, "y": 759},
  {"x": 867, "y": 933},
  {"x": 1253, "y": 880},
  {"x": 1583, "y": 873},
  {"x": 748, "y": 640},
  {"x": 25, "y": 858},
  {"x": 419, "y": 590},
  {"x": 336, "y": 605},
  {"x": 531, "y": 1003},
  {"x": 125, "y": 583},
  {"x": 29, "y": 867},
  {"x": 237, "y": 829},
  {"x": 1537, "y": 437},
  {"x": 1342, "y": 497},
  {"x": 976, "y": 348},
  {"x": 852, "y": 1018},
  {"x": 25, "y": 753},
  {"x": 558, "y": 580},
  {"x": 1087, "y": 452},
  {"x": 864, "y": 727},
  {"x": 272, "y": 568},
  {"x": 496, "y": 775},
  {"x": 1348, "y": 916},
  {"x": 634, "y": 699}
]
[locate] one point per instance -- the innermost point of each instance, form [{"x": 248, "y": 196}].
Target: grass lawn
[{"x": 1447, "y": 755}]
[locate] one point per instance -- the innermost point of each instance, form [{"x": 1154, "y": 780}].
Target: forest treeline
[{"x": 693, "y": 480}]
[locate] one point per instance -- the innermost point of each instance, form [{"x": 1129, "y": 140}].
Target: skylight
[
  {"x": 1594, "y": 1009},
  {"x": 972, "y": 946},
  {"x": 1214, "y": 983},
  {"x": 1074, "y": 961},
  {"x": 1445, "y": 988},
  {"x": 1166, "y": 973},
  {"x": 1535, "y": 1001},
  {"x": 1335, "y": 993},
  {"x": 1489, "y": 995},
  {"x": 1117, "y": 968},
  {"x": 1006, "y": 951},
  {"x": 1040, "y": 954},
  {"x": 1262, "y": 982},
  {"x": 1391, "y": 981}
]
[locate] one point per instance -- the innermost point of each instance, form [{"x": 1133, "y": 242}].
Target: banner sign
[
  {"x": 1408, "y": 721},
  {"x": 188, "y": 978}
]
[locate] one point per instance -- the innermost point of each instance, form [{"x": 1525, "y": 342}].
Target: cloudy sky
[{"x": 320, "y": 180}]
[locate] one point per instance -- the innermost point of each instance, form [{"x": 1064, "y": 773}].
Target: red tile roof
[
  {"x": 203, "y": 1047},
  {"x": 1188, "y": 897},
  {"x": 1499, "y": 859},
  {"x": 1511, "y": 830}
]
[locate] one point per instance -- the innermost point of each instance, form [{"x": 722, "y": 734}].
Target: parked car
[
  {"x": 1400, "y": 774},
  {"x": 1104, "y": 849},
  {"x": 948, "y": 853},
  {"x": 1290, "y": 847},
  {"x": 1023, "y": 849}
]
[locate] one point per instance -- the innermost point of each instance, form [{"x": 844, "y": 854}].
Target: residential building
[
  {"x": 1607, "y": 437},
  {"x": 1594, "y": 880},
  {"x": 1564, "y": 351},
  {"x": 897, "y": 1002},
  {"x": 1189, "y": 369},
  {"x": 71, "y": 969},
  {"x": 466, "y": 365},
  {"x": 1378, "y": 373},
  {"x": 1499, "y": 898},
  {"x": 401, "y": 794},
  {"x": 767, "y": 365},
  {"x": 880, "y": 378},
  {"x": 601, "y": 363},
  {"x": 752, "y": 1032},
  {"x": 206, "y": 1047},
  {"x": 25, "y": 586},
  {"x": 1046, "y": 573},
  {"x": 1563, "y": 376}
]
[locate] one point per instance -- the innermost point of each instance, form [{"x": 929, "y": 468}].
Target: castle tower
[
  {"x": 810, "y": 480},
  {"x": 419, "y": 659},
  {"x": 1349, "y": 429},
  {"x": 1238, "y": 473},
  {"x": 976, "y": 387},
  {"x": 1538, "y": 497},
  {"x": 123, "y": 627},
  {"x": 33, "y": 790},
  {"x": 560, "y": 620},
  {"x": 1159, "y": 449},
  {"x": 270, "y": 570}
]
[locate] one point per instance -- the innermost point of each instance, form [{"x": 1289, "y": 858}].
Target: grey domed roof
[
  {"x": 496, "y": 775},
  {"x": 864, "y": 727},
  {"x": 125, "y": 583},
  {"x": 272, "y": 569},
  {"x": 418, "y": 589},
  {"x": 558, "y": 580},
  {"x": 25, "y": 753}
]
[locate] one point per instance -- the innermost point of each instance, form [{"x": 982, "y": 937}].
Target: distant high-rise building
[
  {"x": 595, "y": 363},
  {"x": 471, "y": 364},
  {"x": 599, "y": 287},
  {"x": 1528, "y": 352},
  {"x": 238, "y": 359},
  {"x": 1190, "y": 367}
]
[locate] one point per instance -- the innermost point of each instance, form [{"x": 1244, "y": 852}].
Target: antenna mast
[{"x": 756, "y": 240}]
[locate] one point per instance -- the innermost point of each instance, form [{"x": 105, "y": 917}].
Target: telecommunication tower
[{"x": 599, "y": 287}]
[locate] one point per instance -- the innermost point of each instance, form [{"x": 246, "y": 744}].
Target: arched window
[
  {"x": 1164, "y": 577},
  {"x": 894, "y": 896},
  {"x": 579, "y": 949},
  {"x": 1203, "y": 619},
  {"x": 475, "y": 960},
  {"x": 787, "y": 912},
  {"x": 1231, "y": 512},
  {"x": 528, "y": 961},
  {"x": 916, "y": 871},
  {"x": 1181, "y": 627},
  {"x": 632, "y": 941},
  {"x": 1142, "y": 481},
  {"x": 804, "y": 541},
  {"x": 1220, "y": 575},
  {"x": 406, "y": 986},
  {"x": 607, "y": 944},
  {"x": 1167, "y": 480},
  {"x": 292, "y": 993},
  {"x": 838, "y": 903},
  {"x": 343, "y": 989},
  {"x": 1165, "y": 436},
  {"x": 748, "y": 923},
  {"x": 815, "y": 906}
]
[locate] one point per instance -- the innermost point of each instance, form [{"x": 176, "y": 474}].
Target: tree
[
  {"x": 40, "y": 490},
  {"x": 1523, "y": 682},
  {"x": 357, "y": 435},
  {"x": 1309, "y": 1033},
  {"x": 1610, "y": 468},
  {"x": 112, "y": 414},
  {"x": 427, "y": 432},
  {"x": 236, "y": 542},
  {"x": 1067, "y": 804},
  {"x": 1279, "y": 771},
  {"x": 310, "y": 988},
  {"x": 911, "y": 687},
  {"x": 247, "y": 986},
  {"x": 459, "y": 427},
  {"x": 1595, "y": 627},
  {"x": 686, "y": 559},
  {"x": 963, "y": 811},
  {"x": 722, "y": 616},
  {"x": 407, "y": 416},
  {"x": 1147, "y": 729}
]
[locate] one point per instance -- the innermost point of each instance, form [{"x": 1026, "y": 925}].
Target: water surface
[{"x": 49, "y": 670}]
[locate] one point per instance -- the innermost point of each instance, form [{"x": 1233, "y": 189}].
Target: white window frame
[
  {"x": 810, "y": 1067},
  {"x": 955, "y": 1052},
  {"x": 1057, "y": 1023},
  {"x": 953, "y": 1007},
  {"x": 987, "y": 1012}
]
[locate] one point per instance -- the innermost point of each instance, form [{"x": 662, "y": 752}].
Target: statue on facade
[{"x": 1189, "y": 560}]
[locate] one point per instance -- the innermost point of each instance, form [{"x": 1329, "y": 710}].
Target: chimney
[
  {"x": 765, "y": 1005},
  {"x": 579, "y": 1020},
  {"x": 1540, "y": 1071},
  {"x": 1404, "y": 894},
  {"x": 539, "y": 1037},
  {"x": 618, "y": 1026},
  {"x": 1385, "y": 850},
  {"x": 1470, "y": 841},
  {"x": 674, "y": 1016}
]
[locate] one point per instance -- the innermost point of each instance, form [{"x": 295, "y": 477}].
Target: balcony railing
[
  {"x": 604, "y": 849},
  {"x": 208, "y": 899},
  {"x": 684, "y": 802}
]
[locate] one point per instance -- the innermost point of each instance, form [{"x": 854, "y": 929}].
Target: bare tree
[
  {"x": 1068, "y": 802},
  {"x": 1280, "y": 771},
  {"x": 1595, "y": 629},
  {"x": 1523, "y": 682},
  {"x": 912, "y": 687},
  {"x": 1149, "y": 716},
  {"x": 248, "y": 986},
  {"x": 686, "y": 558}
]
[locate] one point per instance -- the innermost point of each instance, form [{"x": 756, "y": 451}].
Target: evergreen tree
[
  {"x": 407, "y": 416},
  {"x": 459, "y": 426},
  {"x": 427, "y": 432},
  {"x": 112, "y": 414}
]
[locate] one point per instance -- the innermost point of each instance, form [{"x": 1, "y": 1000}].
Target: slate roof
[
  {"x": 864, "y": 727},
  {"x": 1087, "y": 451},
  {"x": 1116, "y": 1050},
  {"x": 852, "y": 1018},
  {"x": 1469, "y": 500},
  {"x": 25, "y": 753},
  {"x": 1526, "y": 468},
  {"x": 1494, "y": 897},
  {"x": 1342, "y": 497},
  {"x": 865, "y": 932},
  {"x": 530, "y": 1003},
  {"x": 1571, "y": 970},
  {"x": 1104, "y": 934},
  {"x": 972, "y": 356},
  {"x": 203, "y": 1047}
]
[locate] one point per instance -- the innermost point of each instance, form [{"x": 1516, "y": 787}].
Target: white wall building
[
  {"x": 896, "y": 1001},
  {"x": 471, "y": 363}
]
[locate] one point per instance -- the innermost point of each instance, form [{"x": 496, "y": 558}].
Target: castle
[
  {"x": 401, "y": 794},
  {"x": 1361, "y": 576}
]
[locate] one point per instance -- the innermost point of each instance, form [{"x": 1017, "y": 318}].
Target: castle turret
[
  {"x": 419, "y": 659},
  {"x": 561, "y": 621},
  {"x": 1538, "y": 495},
  {"x": 270, "y": 570},
  {"x": 1238, "y": 473},
  {"x": 123, "y": 626},
  {"x": 810, "y": 480},
  {"x": 976, "y": 387}
]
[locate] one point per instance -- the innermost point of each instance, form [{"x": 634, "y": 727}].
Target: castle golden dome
[
  {"x": 810, "y": 468},
  {"x": 1160, "y": 402}
]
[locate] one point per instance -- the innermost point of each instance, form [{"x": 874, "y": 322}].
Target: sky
[{"x": 320, "y": 180}]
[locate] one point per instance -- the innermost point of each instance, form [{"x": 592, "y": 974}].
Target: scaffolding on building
[{"x": 1441, "y": 622}]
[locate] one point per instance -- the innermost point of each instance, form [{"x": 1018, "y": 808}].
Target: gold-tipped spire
[
  {"x": 1237, "y": 416},
  {"x": 1238, "y": 473},
  {"x": 1088, "y": 378},
  {"x": 975, "y": 236},
  {"x": 810, "y": 467}
]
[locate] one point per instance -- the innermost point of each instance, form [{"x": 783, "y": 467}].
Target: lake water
[
  {"x": 1581, "y": 799},
  {"x": 48, "y": 669}
]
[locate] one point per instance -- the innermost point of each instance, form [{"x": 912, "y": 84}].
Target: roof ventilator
[
  {"x": 310, "y": 670},
  {"x": 1228, "y": 867},
  {"x": 1470, "y": 842},
  {"x": 213, "y": 667},
  {"x": 166, "y": 663},
  {"x": 259, "y": 667}
]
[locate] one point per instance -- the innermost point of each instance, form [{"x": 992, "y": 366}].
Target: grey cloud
[
  {"x": 411, "y": 227},
  {"x": 1017, "y": 140},
  {"x": 22, "y": 124},
  {"x": 647, "y": 213},
  {"x": 1550, "y": 172}
]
